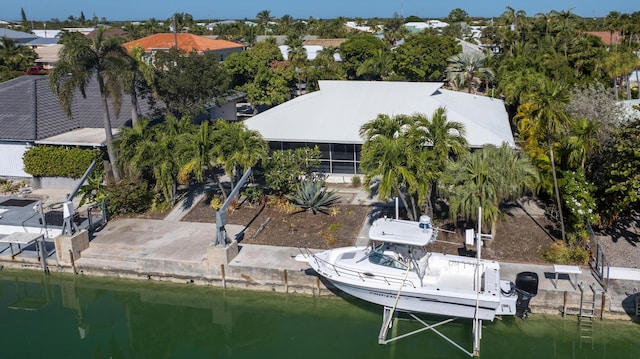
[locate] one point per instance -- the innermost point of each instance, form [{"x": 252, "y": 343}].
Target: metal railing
[
  {"x": 363, "y": 276},
  {"x": 599, "y": 264}
]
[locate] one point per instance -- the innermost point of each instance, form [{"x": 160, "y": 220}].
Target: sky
[{"x": 119, "y": 10}]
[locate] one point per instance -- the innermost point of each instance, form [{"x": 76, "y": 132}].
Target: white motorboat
[{"x": 398, "y": 271}]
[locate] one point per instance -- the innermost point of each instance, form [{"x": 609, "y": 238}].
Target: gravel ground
[{"x": 621, "y": 244}]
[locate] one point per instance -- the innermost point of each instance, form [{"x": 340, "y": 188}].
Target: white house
[{"x": 331, "y": 117}]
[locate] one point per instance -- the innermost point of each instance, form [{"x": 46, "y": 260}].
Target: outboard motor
[{"x": 527, "y": 288}]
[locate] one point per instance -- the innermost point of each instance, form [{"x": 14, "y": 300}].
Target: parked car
[{"x": 36, "y": 70}]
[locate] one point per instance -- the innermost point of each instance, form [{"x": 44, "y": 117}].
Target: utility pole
[{"x": 175, "y": 31}]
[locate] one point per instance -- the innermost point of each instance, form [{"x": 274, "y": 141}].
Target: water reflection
[{"x": 78, "y": 317}]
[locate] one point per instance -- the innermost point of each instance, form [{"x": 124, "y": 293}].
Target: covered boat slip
[{"x": 18, "y": 242}]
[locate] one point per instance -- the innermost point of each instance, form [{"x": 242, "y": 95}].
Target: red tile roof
[
  {"x": 607, "y": 37},
  {"x": 186, "y": 42}
]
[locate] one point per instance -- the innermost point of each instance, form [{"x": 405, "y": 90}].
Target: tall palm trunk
[
  {"x": 404, "y": 202},
  {"x": 556, "y": 189},
  {"x": 107, "y": 130},
  {"x": 134, "y": 105}
]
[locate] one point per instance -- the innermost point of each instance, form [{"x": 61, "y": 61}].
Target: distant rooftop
[{"x": 186, "y": 42}]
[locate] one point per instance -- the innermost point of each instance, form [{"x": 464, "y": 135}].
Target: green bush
[
  {"x": 53, "y": 161},
  {"x": 561, "y": 253},
  {"x": 128, "y": 196}
]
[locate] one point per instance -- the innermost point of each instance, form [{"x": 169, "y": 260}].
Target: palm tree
[
  {"x": 263, "y": 18},
  {"x": 443, "y": 138},
  {"x": 583, "y": 141},
  {"x": 467, "y": 68},
  {"x": 380, "y": 65},
  {"x": 237, "y": 148},
  {"x": 126, "y": 146},
  {"x": 14, "y": 59},
  {"x": 198, "y": 150},
  {"x": 82, "y": 59},
  {"x": 397, "y": 166},
  {"x": 385, "y": 126},
  {"x": 484, "y": 179},
  {"x": 546, "y": 117}
]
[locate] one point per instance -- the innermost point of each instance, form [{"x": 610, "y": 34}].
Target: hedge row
[{"x": 54, "y": 161}]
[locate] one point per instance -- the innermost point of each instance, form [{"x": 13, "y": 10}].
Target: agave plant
[{"x": 310, "y": 195}]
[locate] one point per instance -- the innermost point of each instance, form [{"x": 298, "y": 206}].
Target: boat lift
[
  {"x": 390, "y": 314},
  {"x": 69, "y": 227}
]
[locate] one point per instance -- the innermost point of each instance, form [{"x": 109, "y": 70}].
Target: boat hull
[
  {"x": 448, "y": 288},
  {"x": 442, "y": 306}
]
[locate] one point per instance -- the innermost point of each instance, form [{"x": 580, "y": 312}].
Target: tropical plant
[
  {"x": 398, "y": 167},
  {"x": 616, "y": 174},
  {"x": 237, "y": 148},
  {"x": 543, "y": 116},
  {"x": 186, "y": 83},
  {"x": 378, "y": 66},
  {"x": 468, "y": 69},
  {"x": 94, "y": 190},
  {"x": 441, "y": 137},
  {"x": 80, "y": 61},
  {"x": 284, "y": 169},
  {"x": 423, "y": 57},
  {"x": 311, "y": 195},
  {"x": 14, "y": 59},
  {"x": 485, "y": 178}
]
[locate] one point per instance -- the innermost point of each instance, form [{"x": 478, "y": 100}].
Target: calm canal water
[{"x": 62, "y": 316}]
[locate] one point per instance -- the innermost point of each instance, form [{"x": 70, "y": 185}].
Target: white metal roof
[{"x": 335, "y": 113}]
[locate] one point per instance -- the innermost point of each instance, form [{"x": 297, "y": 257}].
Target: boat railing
[{"x": 340, "y": 271}]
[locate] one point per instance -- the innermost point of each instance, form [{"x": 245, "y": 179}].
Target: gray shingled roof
[
  {"x": 17, "y": 36},
  {"x": 29, "y": 110}
]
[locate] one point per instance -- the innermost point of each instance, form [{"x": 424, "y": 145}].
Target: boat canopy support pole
[{"x": 387, "y": 324}]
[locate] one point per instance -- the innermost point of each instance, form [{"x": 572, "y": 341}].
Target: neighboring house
[
  {"x": 353, "y": 26},
  {"x": 82, "y": 30},
  {"x": 331, "y": 118},
  {"x": 19, "y": 37},
  {"x": 608, "y": 37},
  {"x": 324, "y": 42},
  {"x": 210, "y": 26},
  {"x": 30, "y": 113},
  {"x": 312, "y": 52},
  {"x": 48, "y": 56},
  {"x": 420, "y": 26},
  {"x": 47, "y": 34},
  {"x": 186, "y": 42},
  {"x": 282, "y": 39},
  {"x": 109, "y": 32},
  {"x": 42, "y": 42},
  {"x": 470, "y": 48}
]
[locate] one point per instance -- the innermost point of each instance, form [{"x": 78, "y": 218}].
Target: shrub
[
  {"x": 558, "y": 253},
  {"x": 328, "y": 238},
  {"x": 41, "y": 161},
  {"x": 279, "y": 203},
  {"x": 254, "y": 195},
  {"x": 216, "y": 202},
  {"x": 128, "y": 196},
  {"x": 561, "y": 253}
]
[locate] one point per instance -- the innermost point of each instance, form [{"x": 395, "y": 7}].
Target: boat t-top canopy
[{"x": 403, "y": 232}]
